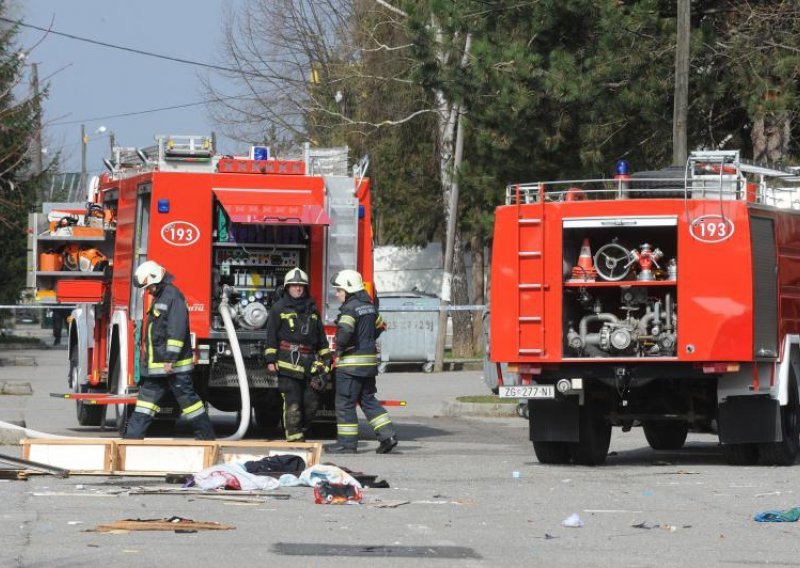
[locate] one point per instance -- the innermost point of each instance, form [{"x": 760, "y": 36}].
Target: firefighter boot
[
  {"x": 386, "y": 445},
  {"x": 203, "y": 429},
  {"x": 340, "y": 449}
]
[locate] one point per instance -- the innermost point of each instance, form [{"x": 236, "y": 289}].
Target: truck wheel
[
  {"x": 666, "y": 434},
  {"x": 88, "y": 414},
  {"x": 785, "y": 452},
  {"x": 552, "y": 452},
  {"x": 594, "y": 435},
  {"x": 740, "y": 454}
]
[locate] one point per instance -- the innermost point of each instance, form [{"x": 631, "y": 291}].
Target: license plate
[{"x": 528, "y": 391}]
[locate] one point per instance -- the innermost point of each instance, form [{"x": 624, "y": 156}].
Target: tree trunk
[
  {"x": 462, "y": 321},
  {"x": 479, "y": 298},
  {"x": 771, "y": 135}
]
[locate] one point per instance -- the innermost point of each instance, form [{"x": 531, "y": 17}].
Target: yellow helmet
[
  {"x": 295, "y": 276},
  {"x": 348, "y": 280}
]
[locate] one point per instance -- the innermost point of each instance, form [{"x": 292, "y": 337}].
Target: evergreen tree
[{"x": 17, "y": 186}]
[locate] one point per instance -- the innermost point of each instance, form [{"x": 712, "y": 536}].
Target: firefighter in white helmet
[
  {"x": 168, "y": 359},
  {"x": 358, "y": 326},
  {"x": 297, "y": 350}
]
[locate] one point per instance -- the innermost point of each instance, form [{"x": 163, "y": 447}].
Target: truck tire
[
  {"x": 594, "y": 433},
  {"x": 740, "y": 454},
  {"x": 642, "y": 187},
  {"x": 87, "y": 414},
  {"x": 552, "y": 452},
  {"x": 666, "y": 434},
  {"x": 785, "y": 452}
]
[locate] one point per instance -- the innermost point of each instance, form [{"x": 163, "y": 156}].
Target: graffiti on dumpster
[{"x": 406, "y": 325}]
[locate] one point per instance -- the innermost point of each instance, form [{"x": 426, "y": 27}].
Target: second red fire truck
[{"x": 668, "y": 300}]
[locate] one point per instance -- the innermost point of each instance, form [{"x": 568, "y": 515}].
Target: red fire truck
[
  {"x": 228, "y": 229},
  {"x": 668, "y": 300}
]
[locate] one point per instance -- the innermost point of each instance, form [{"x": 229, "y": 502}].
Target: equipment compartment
[
  {"x": 620, "y": 298},
  {"x": 249, "y": 263}
]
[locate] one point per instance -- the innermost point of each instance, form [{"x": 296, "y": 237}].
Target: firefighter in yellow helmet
[
  {"x": 358, "y": 326},
  {"x": 297, "y": 350},
  {"x": 168, "y": 359}
]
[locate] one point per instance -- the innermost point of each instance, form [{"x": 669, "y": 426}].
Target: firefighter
[
  {"x": 167, "y": 356},
  {"x": 297, "y": 350},
  {"x": 358, "y": 326}
]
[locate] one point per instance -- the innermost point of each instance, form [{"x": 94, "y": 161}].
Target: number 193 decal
[
  {"x": 712, "y": 228},
  {"x": 180, "y": 233}
]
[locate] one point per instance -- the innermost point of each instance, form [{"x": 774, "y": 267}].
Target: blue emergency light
[
  {"x": 259, "y": 153},
  {"x": 163, "y": 205},
  {"x": 622, "y": 167}
]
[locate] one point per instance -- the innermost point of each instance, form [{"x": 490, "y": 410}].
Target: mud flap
[
  {"x": 749, "y": 420},
  {"x": 555, "y": 420}
]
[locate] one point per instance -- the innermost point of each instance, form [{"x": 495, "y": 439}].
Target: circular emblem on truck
[
  {"x": 712, "y": 228},
  {"x": 180, "y": 233}
]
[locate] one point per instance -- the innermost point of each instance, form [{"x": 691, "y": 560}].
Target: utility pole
[
  {"x": 447, "y": 276},
  {"x": 112, "y": 141},
  {"x": 37, "y": 136},
  {"x": 681, "y": 110},
  {"x": 84, "y": 142}
]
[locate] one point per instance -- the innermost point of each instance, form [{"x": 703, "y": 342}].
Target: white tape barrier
[
  {"x": 465, "y": 308},
  {"x": 37, "y": 306}
]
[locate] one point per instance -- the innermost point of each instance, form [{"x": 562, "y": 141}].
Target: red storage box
[{"x": 75, "y": 291}]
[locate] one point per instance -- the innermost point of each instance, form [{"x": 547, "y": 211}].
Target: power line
[
  {"x": 133, "y": 50},
  {"x": 138, "y": 112}
]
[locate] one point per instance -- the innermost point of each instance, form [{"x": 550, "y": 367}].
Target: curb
[
  {"x": 12, "y": 436},
  {"x": 456, "y": 408}
]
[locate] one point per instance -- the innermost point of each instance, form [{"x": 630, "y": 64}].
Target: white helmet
[
  {"x": 295, "y": 276},
  {"x": 348, "y": 280},
  {"x": 148, "y": 274}
]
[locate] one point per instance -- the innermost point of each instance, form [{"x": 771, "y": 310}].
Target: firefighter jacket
[
  {"x": 296, "y": 337},
  {"x": 166, "y": 337},
  {"x": 358, "y": 326}
]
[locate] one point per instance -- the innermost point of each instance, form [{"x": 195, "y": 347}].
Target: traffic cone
[{"x": 584, "y": 271}]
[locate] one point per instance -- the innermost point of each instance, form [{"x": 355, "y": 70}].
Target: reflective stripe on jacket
[
  {"x": 358, "y": 326},
  {"x": 295, "y": 336},
  {"x": 166, "y": 337}
]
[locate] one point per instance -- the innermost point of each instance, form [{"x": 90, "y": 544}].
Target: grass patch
[
  {"x": 17, "y": 339},
  {"x": 486, "y": 399}
]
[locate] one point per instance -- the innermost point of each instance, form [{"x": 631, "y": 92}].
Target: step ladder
[
  {"x": 531, "y": 282},
  {"x": 342, "y": 251}
]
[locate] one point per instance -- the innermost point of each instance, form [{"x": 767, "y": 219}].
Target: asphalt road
[{"x": 465, "y": 506}]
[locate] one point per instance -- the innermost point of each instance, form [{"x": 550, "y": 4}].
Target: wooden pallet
[{"x": 104, "y": 456}]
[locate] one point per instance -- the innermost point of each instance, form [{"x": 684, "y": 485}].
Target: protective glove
[
  {"x": 319, "y": 382},
  {"x": 319, "y": 375}
]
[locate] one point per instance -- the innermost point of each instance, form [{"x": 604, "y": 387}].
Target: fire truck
[
  {"x": 228, "y": 229},
  {"x": 668, "y": 300}
]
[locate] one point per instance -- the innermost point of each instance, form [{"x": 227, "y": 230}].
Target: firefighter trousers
[
  {"x": 300, "y": 404},
  {"x": 151, "y": 389},
  {"x": 351, "y": 391}
]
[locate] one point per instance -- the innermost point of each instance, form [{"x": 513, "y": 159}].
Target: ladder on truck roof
[{"x": 531, "y": 286}]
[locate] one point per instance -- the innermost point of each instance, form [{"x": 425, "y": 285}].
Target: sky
[{"x": 88, "y": 82}]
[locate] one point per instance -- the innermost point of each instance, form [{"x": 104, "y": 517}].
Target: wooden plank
[
  {"x": 109, "y": 456},
  {"x": 162, "y": 525},
  {"x": 80, "y": 456},
  {"x": 167, "y": 459}
]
